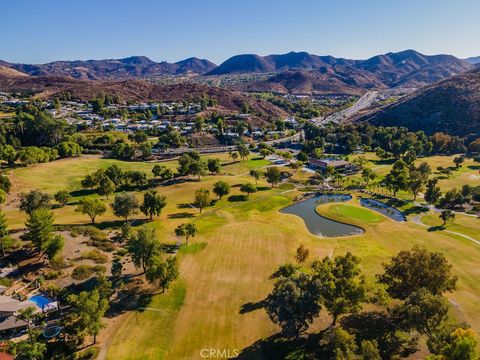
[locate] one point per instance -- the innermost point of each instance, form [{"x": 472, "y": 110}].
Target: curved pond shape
[
  {"x": 317, "y": 224},
  {"x": 383, "y": 208}
]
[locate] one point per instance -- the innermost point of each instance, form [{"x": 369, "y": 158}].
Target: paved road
[{"x": 362, "y": 103}]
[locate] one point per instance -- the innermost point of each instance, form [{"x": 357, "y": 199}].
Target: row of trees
[
  {"x": 410, "y": 291},
  {"x": 390, "y": 142}
]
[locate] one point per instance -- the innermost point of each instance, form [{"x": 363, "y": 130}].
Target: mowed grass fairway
[
  {"x": 226, "y": 270},
  {"x": 468, "y": 173}
]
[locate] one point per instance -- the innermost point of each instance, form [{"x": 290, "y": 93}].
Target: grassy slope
[
  {"x": 467, "y": 174},
  {"x": 464, "y": 224},
  {"x": 245, "y": 243}
]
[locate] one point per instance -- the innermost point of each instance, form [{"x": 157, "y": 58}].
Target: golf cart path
[{"x": 417, "y": 220}]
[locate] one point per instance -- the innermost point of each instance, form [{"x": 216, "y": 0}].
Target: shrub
[
  {"x": 96, "y": 255},
  {"x": 122, "y": 252},
  {"x": 52, "y": 275},
  {"x": 97, "y": 237},
  {"x": 82, "y": 272},
  {"x": 88, "y": 354},
  {"x": 99, "y": 269}
]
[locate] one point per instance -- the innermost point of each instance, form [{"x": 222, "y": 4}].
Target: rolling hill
[
  {"x": 451, "y": 105},
  {"x": 115, "y": 69},
  {"x": 47, "y": 87},
  {"x": 312, "y": 74}
]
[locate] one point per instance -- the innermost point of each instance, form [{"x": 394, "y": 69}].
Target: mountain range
[
  {"x": 115, "y": 69},
  {"x": 304, "y": 73},
  {"x": 291, "y": 73},
  {"x": 451, "y": 106}
]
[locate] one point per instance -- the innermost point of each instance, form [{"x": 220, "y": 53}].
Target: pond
[
  {"x": 383, "y": 208},
  {"x": 317, "y": 224}
]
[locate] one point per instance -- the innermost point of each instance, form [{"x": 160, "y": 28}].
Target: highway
[{"x": 362, "y": 103}]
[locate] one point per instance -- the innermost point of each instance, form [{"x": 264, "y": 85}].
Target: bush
[
  {"x": 96, "y": 255},
  {"x": 99, "y": 269},
  {"x": 6, "y": 282},
  {"x": 82, "y": 272},
  {"x": 97, "y": 237},
  {"x": 90, "y": 353},
  {"x": 52, "y": 275},
  {"x": 122, "y": 252},
  {"x": 58, "y": 262}
]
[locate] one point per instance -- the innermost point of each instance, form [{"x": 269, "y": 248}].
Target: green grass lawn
[
  {"x": 468, "y": 173},
  {"x": 241, "y": 242},
  {"x": 463, "y": 224},
  {"x": 163, "y": 309},
  {"x": 353, "y": 212}
]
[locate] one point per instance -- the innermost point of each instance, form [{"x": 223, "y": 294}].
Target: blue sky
[{"x": 36, "y": 31}]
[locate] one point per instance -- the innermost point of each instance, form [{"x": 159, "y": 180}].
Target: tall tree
[
  {"x": 433, "y": 193},
  {"x": 3, "y": 232},
  {"x": 256, "y": 175},
  {"x": 32, "y": 348},
  {"x": 62, "y": 197},
  {"x": 39, "y": 226},
  {"x": 302, "y": 254},
  {"x": 446, "y": 215},
  {"x": 34, "y": 200},
  {"x": 125, "y": 205},
  {"x": 243, "y": 151},
  {"x": 143, "y": 247},
  {"x": 341, "y": 284},
  {"x": 91, "y": 207},
  {"x": 221, "y": 189},
  {"x": 293, "y": 303},
  {"x": 202, "y": 199},
  {"x": 422, "y": 311},
  {"x": 272, "y": 175},
  {"x": 397, "y": 178},
  {"x": 410, "y": 271},
  {"x": 163, "y": 271},
  {"x": 248, "y": 188},
  {"x": 88, "y": 309},
  {"x": 187, "y": 230},
  {"x": 214, "y": 165},
  {"x": 153, "y": 203}
]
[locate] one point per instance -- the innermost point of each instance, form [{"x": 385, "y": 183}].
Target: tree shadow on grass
[
  {"x": 237, "y": 198},
  {"x": 169, "y": 248},
  {"x": 83, "y": 192},
  {"x": 474, "y": 167},
  {"x": 180, "y": 215},
  {"x": 131, "y": 297},
  {"x": 263, "y": 188},
  {"x": 185, "y": 206},
  {"x": 416, "y": 210},
  {"x": 379, "y": 326},
  {"x": 279, "y": 347},
  {"x": 383, "y": 161},
  {"x": 118, "y": 223},
  {"x": 436, "y": 228},
  {"x": 252, "y": 306}
]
